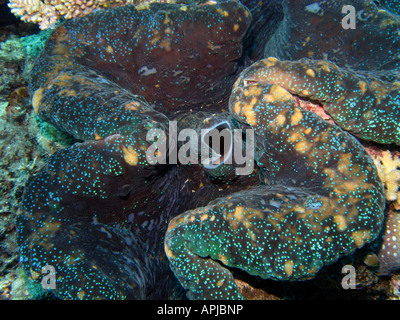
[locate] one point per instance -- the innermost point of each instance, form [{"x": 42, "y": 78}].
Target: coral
[
  {"x": 46, "y": 13},
  {"x": 20, "y": 154},
  {"x": 251, "y": 293},
  {"x": 388, "y": 165},
  {"x": 17, "y": 56},
  {"x": 12, "y": 61},
  {"x": 389, "y": 254},
  {"x": 98, "y": 211},
  {"x": 20, "y": 157}
]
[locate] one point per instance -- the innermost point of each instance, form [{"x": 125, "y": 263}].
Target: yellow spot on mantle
[
  {"x": 236, "y": 27},
  {"x": 109, "y": 49},
  {"x": 67, "y": 92},
  {"x": 156, "y": 38},
  {"x": 310, "y": 72},
  {"x": 236, "y": 217},
  {"x": 363, "y": 87},
  {"x": 248, "y": 112},
  {"x": 236, "y": 107},
  {"x": 360, "y": 237},
  {"x": 302, "y": 146},
  {"x": 289, "y": 267},
  {"x": 253, "y": 91},
  {"x": 35, "y": 275},
  {"x": 220, "y": 283},
  {"x": 341, "y": 223},
  {"x": 133, "y": 106},
  {"x": 223, "y": 259},
  {"x": 168, "y": 252},
  {"x": 167, "y": 20},
  {"x": 81, "y": 294},
  {"x": 213, "y": 47},
  {"x": 37, "y": 97},
  {"x": 280, "y": 94},
  {"x": 381, "y": 90},
  {"x": 368, "y": 115},
  {"x": 166, "y": 44},
  {"x": 325, "y": 67},
  {"x": 270, "y": 62},
  {"x": 386, "y": 23},
  {"x": 131, "y": 157},
  {"x": 280, "y": 120},
  {"x": 296, "y": 137},
  {"x": 49, "y": 228},
  {"x": 223, "y": 12},
  {"x": 296, "y": 117}
]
